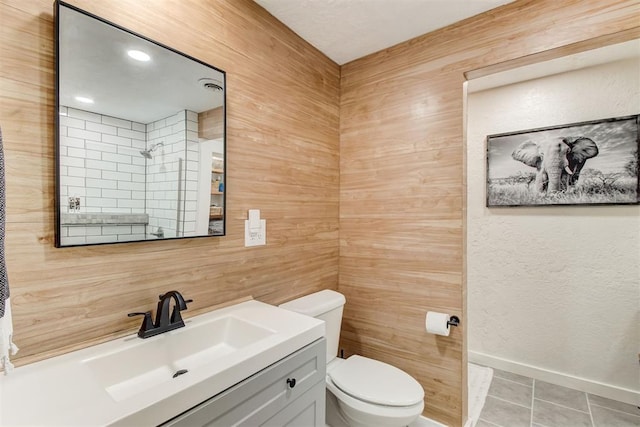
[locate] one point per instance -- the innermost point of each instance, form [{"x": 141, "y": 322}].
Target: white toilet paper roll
[{"x": 436, "y": 323}]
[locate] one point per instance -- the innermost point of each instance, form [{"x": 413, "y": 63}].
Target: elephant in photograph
[{"x": 558, "y": 161}]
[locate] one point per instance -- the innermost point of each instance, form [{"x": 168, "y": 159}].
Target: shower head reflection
[{"x": 147, "y": 153}]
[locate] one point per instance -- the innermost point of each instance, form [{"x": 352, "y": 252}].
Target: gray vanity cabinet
[{"x": 291, "y": 392}]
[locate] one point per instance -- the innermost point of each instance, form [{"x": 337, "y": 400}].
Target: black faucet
[{"x": 163, "y": 322}]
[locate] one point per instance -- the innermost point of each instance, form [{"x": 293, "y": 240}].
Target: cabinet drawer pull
[{"x": 291, "y": 382}]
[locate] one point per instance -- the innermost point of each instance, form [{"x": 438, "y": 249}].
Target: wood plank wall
[
  {"x": 283, "y": 106},
  {"x": 402, "y": 184},
  {"x": 211, "y": 124}
]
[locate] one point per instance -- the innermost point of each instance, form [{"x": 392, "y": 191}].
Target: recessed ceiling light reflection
[
  {"x": 138, "y": 55},
  {"x": 84, "y": 99}
]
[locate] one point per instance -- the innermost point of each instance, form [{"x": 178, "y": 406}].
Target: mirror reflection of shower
[{"x": 147, "y": 153}]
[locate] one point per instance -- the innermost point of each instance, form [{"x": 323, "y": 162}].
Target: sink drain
[{"x": 180, "y": 372}]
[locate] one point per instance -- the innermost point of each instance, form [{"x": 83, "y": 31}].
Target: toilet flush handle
[{"x": 291, "y": 382}]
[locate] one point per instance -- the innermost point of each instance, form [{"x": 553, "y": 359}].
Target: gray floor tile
[
  {"x": 561, "y": 395},
  {"x": 512, "y": 377},
  {"x": 505, "y": 414},
  {"x": 551, "y": 415},
  {"x": 509, "y": 399},
  {"x": 603, "y": 417},
  {"x": 613, "y": 404},
  {"x": 511, "y": 391}
]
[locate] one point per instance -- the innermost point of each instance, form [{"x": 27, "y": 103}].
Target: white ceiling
[
  {"x": 345, "y": 30},
  {"x": 93, "y": 64}
]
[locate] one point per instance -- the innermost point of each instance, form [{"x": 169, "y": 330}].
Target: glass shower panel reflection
[{"x": 169, "y": 189}]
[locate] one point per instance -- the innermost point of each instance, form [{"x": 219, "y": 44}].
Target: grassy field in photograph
[{"x": 591, "y": 191}]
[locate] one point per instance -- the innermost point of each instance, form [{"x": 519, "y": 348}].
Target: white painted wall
[{"x": 554, "y": 292}]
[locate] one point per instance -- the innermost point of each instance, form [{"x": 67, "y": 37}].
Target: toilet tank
[{"x": 325, "y": 305}]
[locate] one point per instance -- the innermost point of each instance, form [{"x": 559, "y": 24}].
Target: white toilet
[{"x": 361, "y": 392}]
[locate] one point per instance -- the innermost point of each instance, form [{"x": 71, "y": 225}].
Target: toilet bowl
[
  {"x": 361, "y": 392},
  {"x": 371, "y": 393}
]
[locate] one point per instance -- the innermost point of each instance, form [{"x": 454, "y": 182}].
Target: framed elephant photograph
[{"x": 594, "y": 163}]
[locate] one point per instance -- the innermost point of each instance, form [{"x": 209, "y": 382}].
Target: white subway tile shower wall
[
  {"x": 99, "y": 163},
  {"x": 102, "y": 165},
  {"x": 192, "y": 155}
]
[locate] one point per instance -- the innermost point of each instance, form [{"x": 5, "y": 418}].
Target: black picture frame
[{"x": 586, "y": 163}]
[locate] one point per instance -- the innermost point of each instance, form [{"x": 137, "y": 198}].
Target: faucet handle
[
  {"x": 139, "y": 313},
  {"x": 147, "y": 323}
]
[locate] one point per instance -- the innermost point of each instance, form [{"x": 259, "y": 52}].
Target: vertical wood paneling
[
  {"x": 401, "y": 184},
  {"x": 283, "y": 124}
]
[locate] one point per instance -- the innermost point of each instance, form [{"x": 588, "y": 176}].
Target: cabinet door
[
  {"x": 306, "y": 411},
  {"x": 260, "y": 397}
]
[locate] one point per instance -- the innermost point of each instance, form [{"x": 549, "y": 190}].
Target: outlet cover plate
[{"x": 255, "y": 237}]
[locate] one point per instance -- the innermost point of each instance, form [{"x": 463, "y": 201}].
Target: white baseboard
[
  {"x": 620, "y": 394},
  {"x": 423, "y": 421}
]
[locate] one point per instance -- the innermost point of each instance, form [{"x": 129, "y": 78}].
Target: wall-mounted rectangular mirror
[{"x": 140, "y": 139}]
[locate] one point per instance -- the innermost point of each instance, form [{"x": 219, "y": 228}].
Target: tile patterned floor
[{"x": 518, "y": 401}]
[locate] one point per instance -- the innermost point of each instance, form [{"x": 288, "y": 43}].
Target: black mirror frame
[{"x": 57, "y": 205}]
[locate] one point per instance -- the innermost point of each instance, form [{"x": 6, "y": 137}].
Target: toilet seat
[
  {"x": 356, "y": 408},
  {"x": 376, "y": 382}
]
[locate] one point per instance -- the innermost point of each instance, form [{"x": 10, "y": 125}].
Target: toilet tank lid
[{"x": 315, "y": 304}]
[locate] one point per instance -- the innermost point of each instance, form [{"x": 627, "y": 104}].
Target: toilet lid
[{"x": 376, "y": 382}]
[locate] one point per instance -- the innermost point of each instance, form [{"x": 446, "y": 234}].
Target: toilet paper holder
[{"x": 453, "y": 321}]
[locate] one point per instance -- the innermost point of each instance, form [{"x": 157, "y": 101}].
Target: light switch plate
[{"x": 255, "y": 237}]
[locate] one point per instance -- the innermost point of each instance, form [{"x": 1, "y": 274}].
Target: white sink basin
[
  {"x": 150, "y": 362},
  {"x": 130, "y": 381}
]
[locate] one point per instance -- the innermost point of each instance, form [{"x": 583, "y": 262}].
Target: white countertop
[{"x": 63, "y": 391}]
